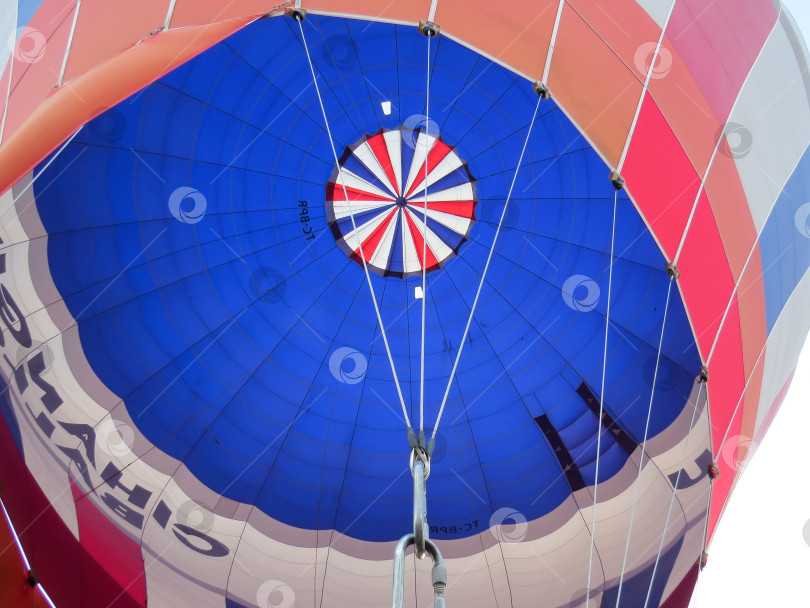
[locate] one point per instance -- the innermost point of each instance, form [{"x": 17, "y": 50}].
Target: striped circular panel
[{"x": 388, "y": 183}]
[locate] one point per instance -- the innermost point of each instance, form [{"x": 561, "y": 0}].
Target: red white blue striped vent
[{"x": 382, "y": 210}]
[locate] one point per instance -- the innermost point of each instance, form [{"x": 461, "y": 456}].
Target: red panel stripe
[
  {"x": 373, "y": 240},
  {"x": 354, "y": 194},
  {"x": 725, "y": 387},
  {"x": 459, "y": 208},
  {"x": 418, "y": 241},
  {"x": 706, "y": 279},
  {"x": 120, "y": 555},
  {"x": 67, "y": 572},
  {"x": 435, "y": 156},
  {"x": 660, "y": 177},
  {"x": 377, "y": 145}
]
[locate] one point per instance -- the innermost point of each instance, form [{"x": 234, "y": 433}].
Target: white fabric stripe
[
  {"x": 366, "y": 155},
  {"x": 410, "y": 259},
  {"x": 418, "y": 160},
  {"x": 383, "y": 252},
  {"x": 714, "y": 154},
  {"x": 462, "y": 192},
  {"x": 657, "y": 9},
  {"x": 447, "y": 165},
  {"x": 343, "y": 209},
  {"x": 783, "y": 347},
  {"x": 434, "y": 244},
  {"x": 363, "y": 232},
  {"x": 393, "y": 142},
  {"x": 774, "y": 128},
  {"x": 754, "y": 248},
  {"x": 456, "y": 223},
  {"x": 352, "y": 180}
]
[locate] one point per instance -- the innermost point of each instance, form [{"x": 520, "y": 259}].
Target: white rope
[
  {"x": 696, "y": 590},
  {"x": 650, "y": 72},
  {"x": 354, "y": 228},
  {"x": 484, "y": 274},
  {"x": 644, "y": 444},
  {"x": 69, "y": 43},
  {"x": 424, "y": 250},
  {"x": 674, "y": 492},
  {"x": 602, "y": 397},
  {"x": 551, "y": 43}
]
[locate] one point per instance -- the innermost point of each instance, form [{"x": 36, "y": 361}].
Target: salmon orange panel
[
  {"x": 593, "y": 86},
  {"x": 70, "y": 106},
  {"x": 197, "y": 12},
  {"x": 751, "y": 299},
  {"x": 626, "y": 27},
  {"x": 719, "y": 42},
  {"x": 106, "y": 28},
  {"x": 686, "y": 109},
  {"x": 730, "y": 208},
  {"x": 519, "y": 36},
  {"x": 660, "y": 177},
  {"x": 750, "y": 406},
  {"x": 33, "y": 82}
]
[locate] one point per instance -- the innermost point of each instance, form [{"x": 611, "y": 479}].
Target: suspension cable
[
  {"x": 424, "y": 250},
  {"x": 674, "y": 492},
  {"x": 696, "y": 590},
  {"x": 484, "y": 274},
  {"x": 299, "y": 18},
  {"x": 602, "y": 397},
  {"x": 644, "y": 444}
]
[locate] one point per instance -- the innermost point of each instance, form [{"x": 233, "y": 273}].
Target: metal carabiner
[
  {"x": 420, "y": 526},
  {"x": 438, "y": 574}
]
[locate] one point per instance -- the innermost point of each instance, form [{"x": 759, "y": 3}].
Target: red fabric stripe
[
  {"x": 334, "y": 192},
  {"x": 660, "y": 177},
  {"x": 417, "y": 239},
  {"x": 373, "y": 240},
  {"x": 377, "y": 145},
  {"x": 120, "y": 555},
  {"x": 435, "y": 156},
  {"x": 459, "y": 208},
  {"x": 66, "y": 570}
]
